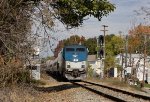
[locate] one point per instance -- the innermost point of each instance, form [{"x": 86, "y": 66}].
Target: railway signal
[{"x": 101, "y": 40}]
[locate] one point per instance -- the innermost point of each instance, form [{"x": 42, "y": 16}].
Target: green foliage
[
  {"x": 37, "y": 82},
  {"x": 109, "y": 62},
  {"x": 119, "y": 67},
  {"x": 91, "y": 44},
  {"x": 43, "y": 60},
  {"x": 75, "y": 39},
  {"x": 23, "y": 77},
  {"x": 113, "y": 48},
  {"x": 72, "y": 12},
  {"x": 113, "y": 44},
  {"x": 90, "y": 72},
  {"x": 147, "y": 85}
]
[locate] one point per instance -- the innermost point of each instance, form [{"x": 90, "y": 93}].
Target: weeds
[{"x": 90, "y": 72}]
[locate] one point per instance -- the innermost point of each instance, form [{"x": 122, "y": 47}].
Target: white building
[
  {"x": 92, "y": 61},
  {"x": 97, "y": 65},
  {"x": 134, "y": 65}
]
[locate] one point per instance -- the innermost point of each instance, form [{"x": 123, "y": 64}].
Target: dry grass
[
  {"x": 24, "y": 92},
  {"x": 17, "y": 94},
  {"x": 114, "y": 82}
]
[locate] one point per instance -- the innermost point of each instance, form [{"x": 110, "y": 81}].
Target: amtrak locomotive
[{"x": 71, "y": 62}]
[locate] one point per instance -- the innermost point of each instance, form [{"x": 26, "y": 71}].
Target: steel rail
[
  {"x": 100, "y": 93},
  {"x": 119, "y": 90}
]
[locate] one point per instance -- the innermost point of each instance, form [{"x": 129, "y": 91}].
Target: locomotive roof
[{"x": 74, "y": 45}]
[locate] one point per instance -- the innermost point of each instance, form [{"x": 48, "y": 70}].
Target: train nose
[{"x": 75, "y": 73}]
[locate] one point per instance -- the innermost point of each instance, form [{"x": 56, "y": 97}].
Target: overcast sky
[{"x": 122, "y": 19}]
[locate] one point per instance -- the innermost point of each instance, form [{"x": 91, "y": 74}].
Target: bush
[
  {"x": 23, "y": 77},
  {"x": 90, "y": 72}
]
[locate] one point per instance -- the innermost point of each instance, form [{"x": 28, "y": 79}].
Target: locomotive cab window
[
  {"x": 80, "y": 49},
  {"x": 69, "y": 49}
]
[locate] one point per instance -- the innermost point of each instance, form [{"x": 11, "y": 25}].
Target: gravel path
[{"x": 67, "y": 92}]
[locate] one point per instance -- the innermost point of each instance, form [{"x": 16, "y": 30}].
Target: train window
[
  {"x": 69, "y": 49},
  {"x": 80, "y": 49}
]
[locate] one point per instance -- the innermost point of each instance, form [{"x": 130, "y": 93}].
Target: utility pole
[
  {"x": 143, "y": 82},
  {"x": 126, "y": 55},
  {"x": 104, "y": 47},
  {"x": 97, "y": 39},
  {"x": 122, "y": 56},
  {"x": 122, "y": 61},
  {"x": 104, "y": 30}
]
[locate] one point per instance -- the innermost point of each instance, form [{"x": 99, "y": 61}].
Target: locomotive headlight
[
  {"x": 67, "y": 63},
  {"x": 75, "y": 60}
]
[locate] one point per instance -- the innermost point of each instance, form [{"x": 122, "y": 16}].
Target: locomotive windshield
[
  {"x": 80, "y": 49},
  {"x": 70, "y": 49}
]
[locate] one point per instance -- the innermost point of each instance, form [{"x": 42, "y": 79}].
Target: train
[{"x": 71, "y": 62}]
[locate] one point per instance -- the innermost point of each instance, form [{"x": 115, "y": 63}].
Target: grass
[
  {"x": 147, "y": 85},
  {"x": 110, "y": 81},
  {"x": 116, "y": 82},
  {"x": 38, "y": 82}
]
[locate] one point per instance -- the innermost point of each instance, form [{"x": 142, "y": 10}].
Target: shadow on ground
[
  {"x": 56, "y": 88},
  {"x": 57, "y": 77}
]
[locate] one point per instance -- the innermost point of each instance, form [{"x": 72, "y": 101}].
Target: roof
[
  {"x": 91, "y": 57},
  {"x": 74, "y": 45}
]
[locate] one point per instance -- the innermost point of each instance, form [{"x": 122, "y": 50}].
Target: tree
[
  {"x": 113, "y": 45},
  {"x": 139, "y": 37},
  {"x": 18, "y": 16},
  {"x": 15, "y": 40},
  {"x": 75, "y": 39},
  {"x": 136, "y": 37},
  {"x": 91, "y": 44},
  {"x": 145, "y": 13},
  {"x": 72, "y": 12},
  {"x": 58, "y": 48},
  {"x": 109, "y": 63}
]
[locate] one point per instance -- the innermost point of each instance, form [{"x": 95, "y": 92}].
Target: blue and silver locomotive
[{"x": 71, "y": 62}]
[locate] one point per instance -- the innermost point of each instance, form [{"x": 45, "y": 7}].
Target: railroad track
[{"x": 113, "y": 94}]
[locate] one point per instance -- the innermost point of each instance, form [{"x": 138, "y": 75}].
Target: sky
[{"x": 121, "y": 20}]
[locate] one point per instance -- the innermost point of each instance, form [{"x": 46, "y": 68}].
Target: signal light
[{"x": 101, "y": 39}]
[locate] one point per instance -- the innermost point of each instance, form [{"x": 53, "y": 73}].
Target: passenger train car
[{"x": 71, "y": 62}]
